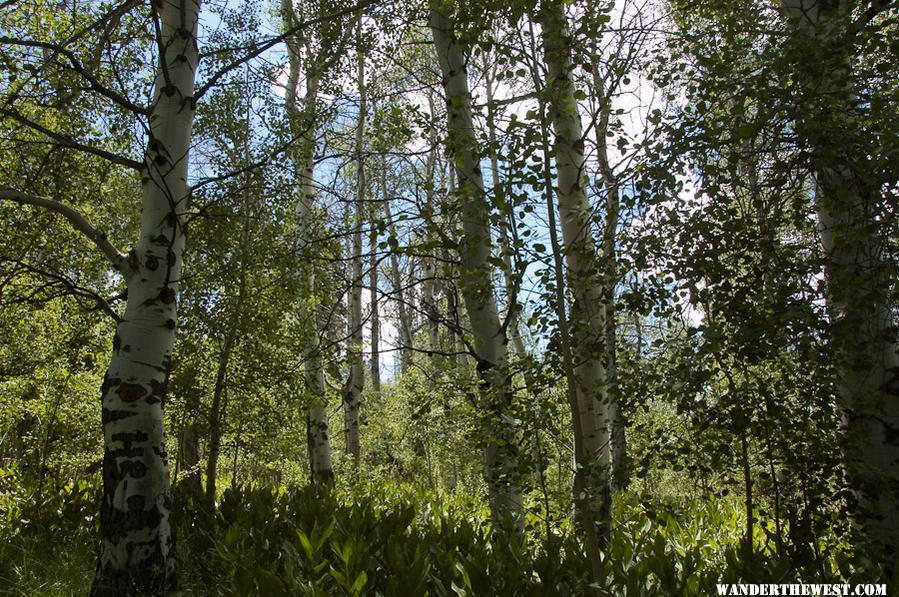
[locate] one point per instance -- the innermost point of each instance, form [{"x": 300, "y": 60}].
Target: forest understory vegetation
[{"x": 430, "y": 297}]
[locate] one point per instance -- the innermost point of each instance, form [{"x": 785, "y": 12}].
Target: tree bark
[
  {"x": 352, "y": 391},
  {"x": 588, "y": 314},
  {"x": 135, "y": 554},
  {"x": 476, "y": 280},
  {"x": 303, "y": 122},
  {"x": 863, "y": 330},
  {"x": 375, "y": 318},
  {"x": 620, "y": 465}
]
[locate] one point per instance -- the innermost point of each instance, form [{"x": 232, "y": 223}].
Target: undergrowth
[{"x": 379, "y": 541}]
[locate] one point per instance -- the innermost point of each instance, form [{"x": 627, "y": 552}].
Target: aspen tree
[
  {"x": 863, "y": 327},
  {"x": 587, "y": 315},
  {"x": 476, "y": 279},
  {"x": 352, "y": 391},
  {"x": 135, "y": 535}
]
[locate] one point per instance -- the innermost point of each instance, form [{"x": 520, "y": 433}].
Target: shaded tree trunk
[
  {"x": 588, "y": 313},
  {"x": 848, "y": 200},
  {"x": 135, "y": 554},
  {"x": 476, "y": 278},
  {"x": 352, "y": 391}
]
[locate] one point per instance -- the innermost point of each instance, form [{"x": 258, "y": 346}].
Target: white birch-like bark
[
  {"x": 505, "y": 251},
  {"x": 476, "y": 279},
  {"x": 404, "y": 322},
  {"x": 302, "y": 119},
  {"x": 620, "y": 472},
  {"x": 863, "y": 328},
  {"x": 587, "y": 315},
  {"x": 135, "y": 554},
  {"x": 352, "y": 391}
]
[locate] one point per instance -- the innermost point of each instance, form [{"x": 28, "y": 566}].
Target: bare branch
[
  {"x": 276, "y": 40},
  {"x": 78, "y": 221}
]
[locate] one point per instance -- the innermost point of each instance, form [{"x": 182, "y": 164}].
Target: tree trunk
[
  {"x": 375, "y": 311},
  {"x": 476, "y": 278},
  {"x": 863, "y": 332},
  {"x": 620, "y": 466},
  {"x": 405, "y": 323},
  {"x": 429, "y": 285},
  {"x": 588, "y": 331},
  {"x": 135, "y": 554},
  {"x": 352, "y": 391},
  {"x": 303, "y": 127},
  {"x": 188, "y": 466}
]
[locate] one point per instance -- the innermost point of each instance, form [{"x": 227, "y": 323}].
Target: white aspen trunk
[
  {"x": 302, "y": 126},
  {"x": 505, "y": 251},
  {"x": 585, "y": 281},
  {"x": 620, "y": 466},
  {"x": 429, "y": 287},
  {"x": 863, "y": 328},
  {"x": 352, "y": 391},
  {"x": 135, "y": 555},
  {"x": 375, "y": 311},
  {"x": 317, "y": 433},
  {"x": 490, "y": 341},
  {"x": 405, "y": 324}
]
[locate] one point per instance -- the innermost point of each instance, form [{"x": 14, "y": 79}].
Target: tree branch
[
  {"x": 276, "y": 40},
  {"x": 65, "y": 141},
  {"x": 118, "y": 259},
  {"x": 76, "y": 66}
]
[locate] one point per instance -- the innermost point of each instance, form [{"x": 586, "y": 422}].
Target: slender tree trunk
[
  {"x": 135, "y": 554},
  {"x": 587, "y": 514},
  {"x": 620, "y": 466},
  {"x": 588, "y": 314},
  {"x": 863, "y": 328},
  {"x": 490, "y": 341},
  {"x": 405, "y": 323},
  {"x": 505, "y": 250},
  {"x": 352, "y": 391},
  {"x": 429, "y": 286},
  {"x": 303, "y": 127},
  {"x": 232, "y": 319},
  {"x": 375, "y": 311},
  {"x": 189, "y": 442}
]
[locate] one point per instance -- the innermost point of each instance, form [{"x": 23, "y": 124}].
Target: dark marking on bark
[
  {"x": 159, "y": 388},
  {"x": 171, "y": 258},
  {"x": 126, "y": 348},
  {"x": 131, "y": 392},
  {"x": 136, "y": 503},
  {"x": 116, "y": 415},
  {"x": 161, "y": 240},
  {"x": 167, "y": 295},
  {"x": 170, "y": 323},
  {"x": 152, "y": 263},
  {"x": 134, "y": 262},
  {"x": 116, "y": 343},
  {"x": 108, "y": 382}
]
